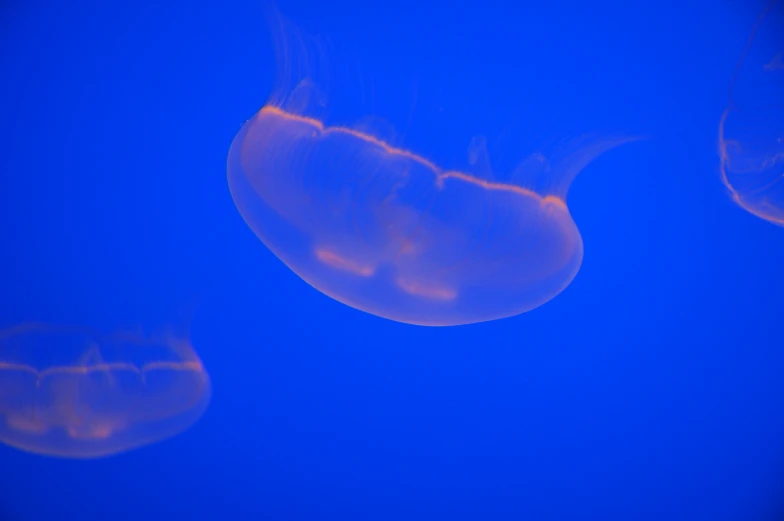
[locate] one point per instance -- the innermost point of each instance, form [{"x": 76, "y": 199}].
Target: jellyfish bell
[
  {"x": 751, "y": 128},
  {"x": 74, "y": 393},
  {"x": 387, "y": 231}
]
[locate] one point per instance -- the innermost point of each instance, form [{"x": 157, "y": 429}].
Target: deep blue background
[{"x": 650, "y": 389}]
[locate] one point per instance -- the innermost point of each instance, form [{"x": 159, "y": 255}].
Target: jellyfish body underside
[
  {"x": 387, "y": 232},
  {"x": 60, "y": 395}
]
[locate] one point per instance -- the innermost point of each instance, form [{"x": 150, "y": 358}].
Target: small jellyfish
[
  {"x": 751, "y": 129},
  {"x": 387, "y": 231},
  {"x": 73, "y": 393}
]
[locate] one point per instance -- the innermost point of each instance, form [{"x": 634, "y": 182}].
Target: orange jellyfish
[
  {"x": 387, "y": 231},
  {"x": 751, "y": 130},
  {"x": 73, "y": 393}
]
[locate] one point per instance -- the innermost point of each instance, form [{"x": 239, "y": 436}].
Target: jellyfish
[
  {"x": 751, "y": 128},
  {"x": 74, "y": 393},
  {"x": 386, "y": 230}
]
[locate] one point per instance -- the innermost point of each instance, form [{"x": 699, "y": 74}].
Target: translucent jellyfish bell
[
  {"x": 389, "y": 232},
  {"x": 70, "y": 392},
  {"x": 751, "y": 130}
]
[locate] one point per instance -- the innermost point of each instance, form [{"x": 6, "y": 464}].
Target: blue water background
[{"x": 650, "y": 389}]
